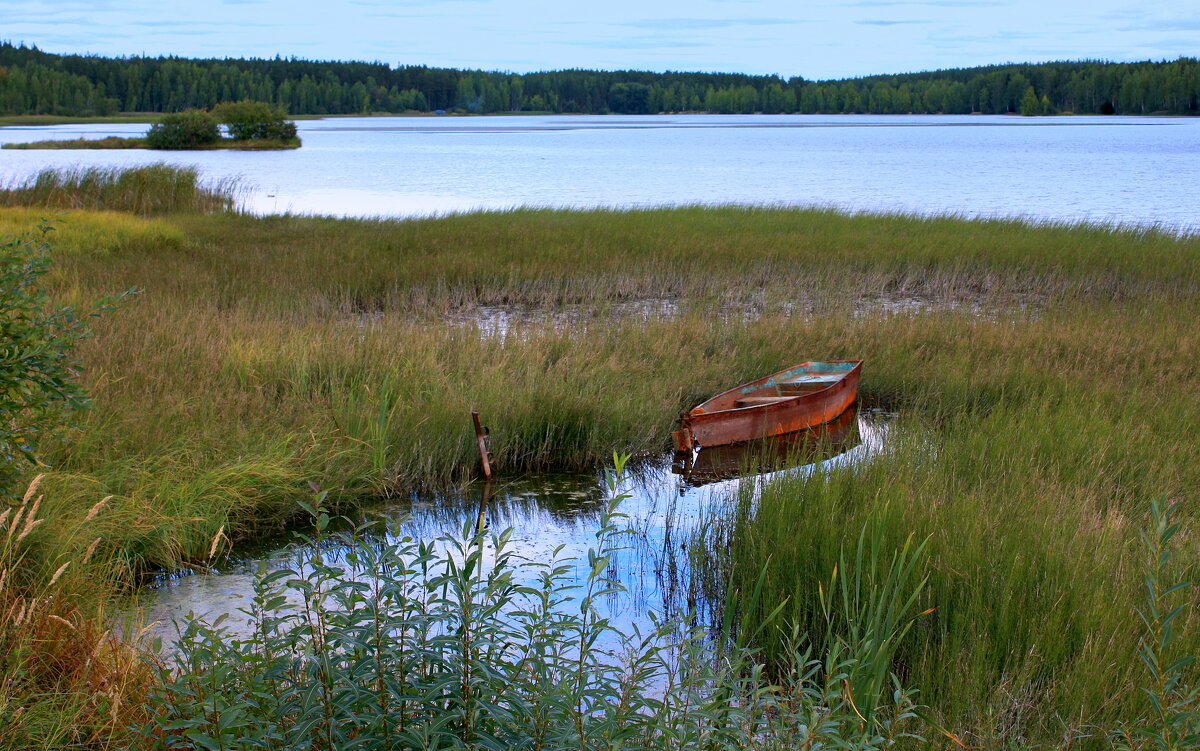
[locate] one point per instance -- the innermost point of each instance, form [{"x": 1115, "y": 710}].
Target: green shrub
[
  {"x": 1173, "y": 722},
  {"x": 183, "y": 130},
  {"x": 248, "y": 120},
  {"x": 38, "y": 365},
  {"x": 36, "y": 359}
]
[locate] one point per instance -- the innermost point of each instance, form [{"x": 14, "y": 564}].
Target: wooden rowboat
[{"x": 803, "y": 396}]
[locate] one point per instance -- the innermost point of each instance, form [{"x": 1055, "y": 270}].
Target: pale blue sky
[{"x": 816, "y": 39}]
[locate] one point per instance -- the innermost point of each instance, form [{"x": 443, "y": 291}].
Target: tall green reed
[
  {"x": 869, "y": 608},
  {"x": 1030, "y": 517}
]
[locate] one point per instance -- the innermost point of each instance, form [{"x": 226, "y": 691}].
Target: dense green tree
[
  {"x": 183, "y": 130},
  {"x": 1030, "y": 104},
  {"x": 629, "y": 98},
  {"x": 248, "y": 120},
  {"x": 35, "y": 82},
  {"x": 467, "y": 98}
]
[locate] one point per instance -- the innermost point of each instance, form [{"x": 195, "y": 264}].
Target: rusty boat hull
[
  {"x": 735, "y": 460},
  {"x": 797, "y": 398}
]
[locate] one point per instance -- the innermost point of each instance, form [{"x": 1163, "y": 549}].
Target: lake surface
[{"x": 1109, "y": 169}]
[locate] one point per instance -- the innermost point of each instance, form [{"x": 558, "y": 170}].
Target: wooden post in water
[
  {"x": 481, "y": 434},
  {"x": 481, "y": 521}
]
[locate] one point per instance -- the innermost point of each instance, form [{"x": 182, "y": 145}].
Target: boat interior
[{"x": 798, "y": 381}]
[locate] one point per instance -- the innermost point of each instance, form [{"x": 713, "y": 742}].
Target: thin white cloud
[
  {"x": 640, "y": 43},
  {"x": 699, "y": 24},
  {"x": 932, "y": 3},
  {"x": 1168, "y": 24}
]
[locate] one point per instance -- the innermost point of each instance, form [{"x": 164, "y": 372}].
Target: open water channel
[{"x": 669, "y": 497}]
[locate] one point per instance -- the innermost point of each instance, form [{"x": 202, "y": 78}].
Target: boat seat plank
[
  {"x": 814, "y": 378},
  {"x": 754, "y": 401}
]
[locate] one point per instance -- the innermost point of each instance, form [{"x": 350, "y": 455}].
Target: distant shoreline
[
  {"x": 118, "y": 143},
  {"x": 9, "y": 121}
]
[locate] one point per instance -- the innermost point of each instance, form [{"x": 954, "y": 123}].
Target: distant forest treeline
[{"x": 33, "y": 82}]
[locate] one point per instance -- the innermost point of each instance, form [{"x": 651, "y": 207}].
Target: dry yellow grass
[{"x": 66, "y": 681}]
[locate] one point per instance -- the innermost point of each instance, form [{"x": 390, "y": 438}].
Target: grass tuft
[{"x": 153, "y": 189}]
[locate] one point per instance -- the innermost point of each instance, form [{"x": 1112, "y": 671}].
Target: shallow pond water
[{"x": 668, "y": 498}]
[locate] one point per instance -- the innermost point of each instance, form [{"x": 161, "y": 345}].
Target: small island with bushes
[{"x": 247, "y": 126}]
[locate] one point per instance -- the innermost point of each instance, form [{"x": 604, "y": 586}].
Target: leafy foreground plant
[
  {"x": 1174, "y": 719},
  {"x": 417, "y": 645},
  {"x": 38, "y": 363}
]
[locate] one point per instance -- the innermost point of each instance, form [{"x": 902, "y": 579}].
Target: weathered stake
[
  {"x": 481, "y": 436},
  {"x": 481, "y": 521}
]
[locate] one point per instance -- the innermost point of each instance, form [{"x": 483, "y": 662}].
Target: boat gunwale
[{"x": 764, "y": 379}]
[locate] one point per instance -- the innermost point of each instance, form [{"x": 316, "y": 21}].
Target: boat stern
[{"x": 685, "y": 442}]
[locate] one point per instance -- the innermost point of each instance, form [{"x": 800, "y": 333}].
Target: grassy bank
[
  {"x": 116, "y": 142},
  {"x": 1043, "y": 376},
  {"x": 111, "y": 142},
  {"x": 281, "y": 350},
  {"x": 149, "y": 117}
]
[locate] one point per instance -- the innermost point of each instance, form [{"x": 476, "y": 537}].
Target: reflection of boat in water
[
  {"x": 803, "y": 396},
  {"x": 769, "y": 454}
]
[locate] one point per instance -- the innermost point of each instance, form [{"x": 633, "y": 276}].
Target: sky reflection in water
[{"x": 666, "y": 503}]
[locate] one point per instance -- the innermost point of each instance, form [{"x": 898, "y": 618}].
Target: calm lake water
[{"x": 1115, "y": 169}]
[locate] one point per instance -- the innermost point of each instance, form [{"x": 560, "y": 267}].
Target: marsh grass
[
  {"x": 130, "y": 117},
  {"x": 1044, "y": 384},
  {"x": 153, "y": 189},
  {"x": 1032, "y": 515},
  {"x": 256, "y": 144},
  {"x": 99, "y": 232},
  {"x": 344, "y": 351},
  {"x": 758, "y": 259}
]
